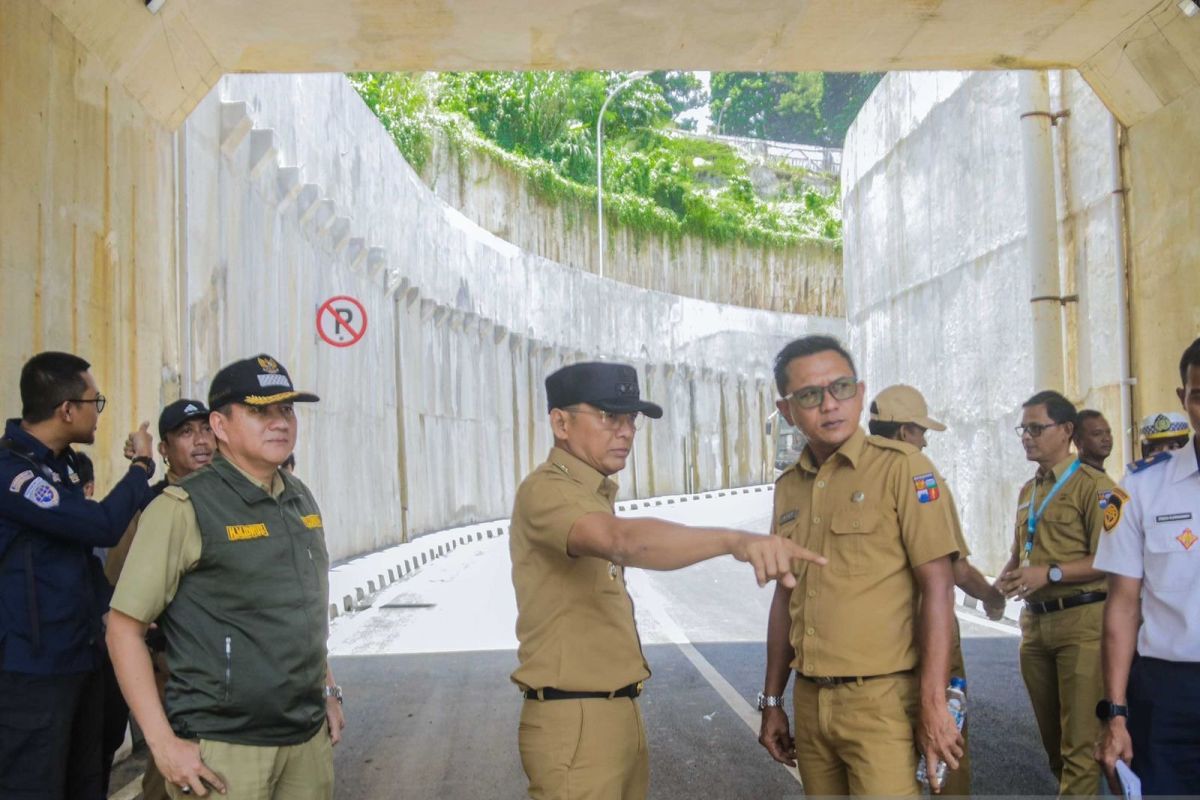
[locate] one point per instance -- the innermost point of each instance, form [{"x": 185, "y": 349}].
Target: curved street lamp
[{"x": 633, "y": 76}]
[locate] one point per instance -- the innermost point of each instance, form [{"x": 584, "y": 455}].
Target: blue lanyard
[{"x": 1036, "y": 516}]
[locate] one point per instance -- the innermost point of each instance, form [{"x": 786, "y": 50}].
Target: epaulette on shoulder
[
  {"x": 1146, "y": 463},
  {"x": 892, "y": 444},
  {"x": 791, "y": 468},
  {"x": 176, "y": 492}
]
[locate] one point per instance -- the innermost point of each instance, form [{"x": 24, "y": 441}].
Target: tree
[
  {"x": 803, "y": 107},
  {"x": 683, "y": 91}
]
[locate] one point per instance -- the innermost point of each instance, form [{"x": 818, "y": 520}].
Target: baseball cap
[
  {"x": 179, "y": 412},
  {"x": 607, "y": 386},
  {"x": 902, "y": 403},
  {"x": 1167, "y": 425},
  {"x": 256, "y": 381}
]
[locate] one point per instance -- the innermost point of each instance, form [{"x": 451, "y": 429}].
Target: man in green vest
[{"x": 236, "y": 575}]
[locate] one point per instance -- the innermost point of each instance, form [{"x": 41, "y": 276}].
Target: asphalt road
[
  {"x": 431, "y": 716},
  {"x": 432, "y": 713}
]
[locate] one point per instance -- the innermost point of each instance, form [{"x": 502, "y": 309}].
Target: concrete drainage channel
[{"x": 360, "y": 584}]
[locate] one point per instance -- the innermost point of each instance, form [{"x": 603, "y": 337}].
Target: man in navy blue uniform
[{"x": 52, "y": 589}]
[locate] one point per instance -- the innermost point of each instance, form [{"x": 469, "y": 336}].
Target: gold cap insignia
[{"x": 268, "y": 364}]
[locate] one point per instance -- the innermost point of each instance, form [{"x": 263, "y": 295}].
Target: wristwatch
[
  {"x": 1107, "y": 709},
  {"x": 145, "y": 462},
  {"x": 769, "y": 701},
  {"x": 334, "y": 692},
  {"x": 1054, "y": 574}
]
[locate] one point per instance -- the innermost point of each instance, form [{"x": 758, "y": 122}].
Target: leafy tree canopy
[
  {"x": 544, "y": 123},
  {"x": 804, "y": 107}
]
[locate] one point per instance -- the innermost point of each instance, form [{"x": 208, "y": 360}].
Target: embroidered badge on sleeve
[{"x": 926, "y": 487}]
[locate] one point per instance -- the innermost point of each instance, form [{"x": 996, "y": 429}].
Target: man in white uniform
[{"x": 1151, "y": 550}]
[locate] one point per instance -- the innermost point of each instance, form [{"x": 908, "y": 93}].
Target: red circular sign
[{"x": 341, "y": 321}]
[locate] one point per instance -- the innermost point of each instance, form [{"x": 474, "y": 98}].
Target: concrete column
[{"x": 1041, "y": 239}]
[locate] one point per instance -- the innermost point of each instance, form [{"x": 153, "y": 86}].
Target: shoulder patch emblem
[
  {"x": 311, "y": 520},
  {"x": 1112, "y": 503},
  {"x": 18, "y": 483},
  {"x": 926, "y": 488},
  {"x": 238, "y": 533},
  {"x": 1157, "y": 458},
  {"x": 41, "y": 494}
]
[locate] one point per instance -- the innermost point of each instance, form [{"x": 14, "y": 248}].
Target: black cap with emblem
[
  {"x": 179, "y": 412},
  {"x": 605, "y": 385},
  {"x": 257, "y": 381}
]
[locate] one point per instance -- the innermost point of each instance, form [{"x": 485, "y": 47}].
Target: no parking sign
[{"x": 341, "y": 321}]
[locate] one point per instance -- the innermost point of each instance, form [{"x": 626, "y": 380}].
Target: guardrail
[{"x": 807, "y": 156}]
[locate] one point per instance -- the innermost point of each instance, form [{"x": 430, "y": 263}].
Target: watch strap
[{"x": 769, "y": 701}]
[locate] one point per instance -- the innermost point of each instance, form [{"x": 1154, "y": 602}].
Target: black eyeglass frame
[{"x": 850, "y": 382}]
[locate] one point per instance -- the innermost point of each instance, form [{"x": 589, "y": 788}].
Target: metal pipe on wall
[
  {"x": 1041, "y": 231},
  {"x": 1122, "y": 309}
]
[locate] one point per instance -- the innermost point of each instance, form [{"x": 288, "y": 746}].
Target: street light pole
[
  {"x": 721, "y": 116},
  {"x": 633, "y": 76}
]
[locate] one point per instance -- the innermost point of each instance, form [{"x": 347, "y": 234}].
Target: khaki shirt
[
  {"x": 169, "y": 550},
  {"x": 575, "y": 619},
  {"x": 956, "y": 524},
  {"x": 1069, "y": 528},
  {"x": 874, "y": 509}
]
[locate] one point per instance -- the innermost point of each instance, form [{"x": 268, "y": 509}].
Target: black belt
[
  {"x": 838, "y": 680},
  {"x": 632, "y": 690},
  {"x": 1063, "y": 603}
]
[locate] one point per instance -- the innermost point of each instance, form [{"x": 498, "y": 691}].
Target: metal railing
[{"x": 807, "y": 156}]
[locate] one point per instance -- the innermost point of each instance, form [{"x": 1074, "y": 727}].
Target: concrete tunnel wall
[
  {"x": 937, "y": 275},
  {"x": 439, "y": 412},
  {"x": 159, "y": 256}
]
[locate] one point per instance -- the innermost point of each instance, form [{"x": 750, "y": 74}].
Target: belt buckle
[{"x": 825, "y": 682}]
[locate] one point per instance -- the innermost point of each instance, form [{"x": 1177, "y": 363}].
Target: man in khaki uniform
[
  {"x": 231, "y": 563},
  {"x": 581, "y": 664},
  {"x": 900, "y": 412},
  {"x": 872, "y": 663},
  {"x": 186, "y": 444},
  {"x": 1060, "y": 514}
]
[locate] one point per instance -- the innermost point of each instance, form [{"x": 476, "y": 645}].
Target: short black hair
[
  {"x": 1082, "y": 416},
  {"x": 806, "y": 346},
  {"x": 84, "y": 468},
  {"x": 884, "y": 428},
  {"x": 1191, "y": 358},
  {"x": 47, "y": 381},
  {"x": 1059, "y": 408}
]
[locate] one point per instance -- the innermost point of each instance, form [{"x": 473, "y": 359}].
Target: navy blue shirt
[{"x": 52, "y": 589}]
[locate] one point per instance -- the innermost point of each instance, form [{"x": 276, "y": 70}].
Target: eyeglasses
[
  {"x": 1034, "y": 429},
  {"x": 813, "y": 396},
  {"x": 610, "y": 421},
  {"x": 100, "y": 401}
]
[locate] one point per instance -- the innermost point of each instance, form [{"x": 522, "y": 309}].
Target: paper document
[{"x": 1131, "y": 784}]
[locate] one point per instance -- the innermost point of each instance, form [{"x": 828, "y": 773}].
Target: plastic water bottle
[{"x": 956, "y": 702}]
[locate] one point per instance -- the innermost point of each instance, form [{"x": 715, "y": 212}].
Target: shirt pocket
[
  {"x": 1170, "y": 565},
  {"x": 850, "y": 540}
]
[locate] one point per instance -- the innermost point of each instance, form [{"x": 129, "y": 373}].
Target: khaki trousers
[
  {"x": 857, "y": 738},
  {"x": 1060, "y": 662},
  {"x": 593, "y": 749},
  {"x": 251, "y": 772}
]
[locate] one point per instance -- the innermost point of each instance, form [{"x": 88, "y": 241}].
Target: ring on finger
[{"x": 185, "y": 789}]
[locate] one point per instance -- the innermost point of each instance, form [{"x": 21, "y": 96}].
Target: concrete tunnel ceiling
[{"x": 1138, "y": 55}]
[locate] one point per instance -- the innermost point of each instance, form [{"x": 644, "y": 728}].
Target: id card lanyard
[{"x": 1036, "y": 516}]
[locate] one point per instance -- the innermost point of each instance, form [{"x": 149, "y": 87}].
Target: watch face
[
  {"x": 1055, "y": 574},
  {"x": 1104, "y": 710}
]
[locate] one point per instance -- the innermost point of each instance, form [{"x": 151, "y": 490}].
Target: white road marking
[{"x": 650, "y": 601}]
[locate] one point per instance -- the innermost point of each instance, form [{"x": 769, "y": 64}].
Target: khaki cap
[{"x": 902, "y": 403}]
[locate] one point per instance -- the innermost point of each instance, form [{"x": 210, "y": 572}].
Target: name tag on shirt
[
  {"x": 1173, "y": 517},
  {"x": 238, "y": 533}
]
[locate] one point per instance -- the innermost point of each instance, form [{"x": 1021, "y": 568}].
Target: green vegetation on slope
[{"x": 543, "y": 126}]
